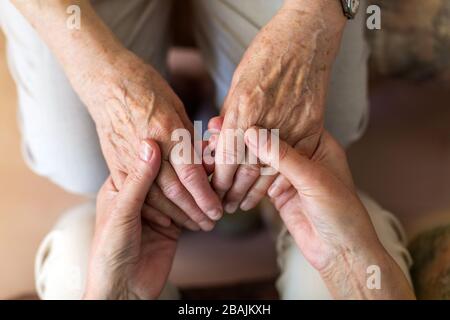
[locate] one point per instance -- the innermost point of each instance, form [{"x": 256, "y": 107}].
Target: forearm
[
  {"x": 350, "y": 278},
  {"x": 320, "y": 20},
  {"x": 86, "y": 55}
]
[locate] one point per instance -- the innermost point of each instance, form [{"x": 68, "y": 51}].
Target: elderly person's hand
[
  {"x": 280, "y": 83},
  {"x": 131, "y": 255},
  {"x": 128, "y": 101},
  {"x": 330, "y": 225},
  {"x": 141, "y": 105}
]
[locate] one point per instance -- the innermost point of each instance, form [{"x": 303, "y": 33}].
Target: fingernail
[
  {"x": 246, "y": 205},
  {"x": 146, "y": 151},
  {"x": 274, "y": 191},
  {"x": 231, "y": 207},
  {"x": 206, "y": 225},
  {"x": 191, "y": 225},
  {"x": 215, "y": 214}
]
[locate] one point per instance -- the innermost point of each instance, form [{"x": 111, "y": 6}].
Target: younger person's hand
[
  {"x": 327, "y": 219},
  {"x": 132, "y": 254}
]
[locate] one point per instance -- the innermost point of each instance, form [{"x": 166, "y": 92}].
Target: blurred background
[{"x": 403, "y": 161}]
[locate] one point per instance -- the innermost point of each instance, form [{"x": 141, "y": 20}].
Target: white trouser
[
  {"x": 62, "y": 259},
  {"x": 58, "y": 135}
]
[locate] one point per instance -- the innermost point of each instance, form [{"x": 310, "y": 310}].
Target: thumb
[
  {"x": 136, "y": 186},
  {"x": 271, "y": 150}
]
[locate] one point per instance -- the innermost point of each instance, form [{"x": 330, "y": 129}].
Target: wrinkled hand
[
  {"x": 131, "y": 256},
  {"x": 128, "y": 101},
  {"x": 138, "y": 105},
  {"x": 327, "y": 220},
  {"x": 280, "y": 83}
]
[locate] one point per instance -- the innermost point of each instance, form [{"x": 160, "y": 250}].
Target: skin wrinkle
[
  {"x": 347, "y": 283},
  {"x": 126, "y": 108},
  {"x": 124, "y": 119},
  {"x": 123, "y": 116},
  {"x": 280, "y": 93},
  {"x": 120, "y": 135},
  {"x": 117, "y": 142},
  {"x": 128, "y": 117},
  {"x": 323, "y": 229},
  {"x": 126, "y": 97}
]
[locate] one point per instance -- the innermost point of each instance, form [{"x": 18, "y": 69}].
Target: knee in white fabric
[{"x": 62, "y": 258}]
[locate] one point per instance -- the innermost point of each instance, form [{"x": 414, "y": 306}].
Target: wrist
[
  {"x": 329, "y": 10},
  {"x": 101, "y": 286},
  {"x": 348, "y": 275},
  {"x": 321, "y": 21}
]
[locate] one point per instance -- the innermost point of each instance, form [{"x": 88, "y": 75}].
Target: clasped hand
[{"x": 132, "y": 254}]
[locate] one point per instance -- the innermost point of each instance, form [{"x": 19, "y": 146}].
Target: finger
[
  {"x": 155, "y": 216},
  {"x": 118, "y": 178},
  {"x": 108, "y": 187},
  {"x": 157, "y": 200},
  {"x": 208, "y": 153},
  {"x": 214, "y": 126},
  {"x": 171, "y": 233},
  {"x": 284, "y": 198},
  {"x": 228, "y": 155},
  {"x": 215, "y": 123},
  {"x": 248, "y": 184},
  {"x": 257, "y": 192},
  {"x": 246, "y": 176},
  {"x": 280, "y": 185},
  {"x": 105, "y": 195},
  {"x": 172, "y": 188},
  {"x": 194, "y": 179},
  {"x": 299, "y": 170},
  {"x": 136, "y": 186}
]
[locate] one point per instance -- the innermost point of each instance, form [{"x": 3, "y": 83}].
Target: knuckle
[
  {"x": 228, "y": 156},
  {"x": 137, "y": 176},
  {"x": 197, "y": 217},
  {"x": 257, "y": 193},
  {"x": 283, "y": 183},
  {"x": 249, "y": 172},
  {"x": 245, "y": 98},
  {"x": 164, "y": 125},
  {"x": 189, "y": 174},
  {"x": 222, "y": 185},
  {"x": 160, "y": 130},
  {"x": 173, "y": 190}
]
